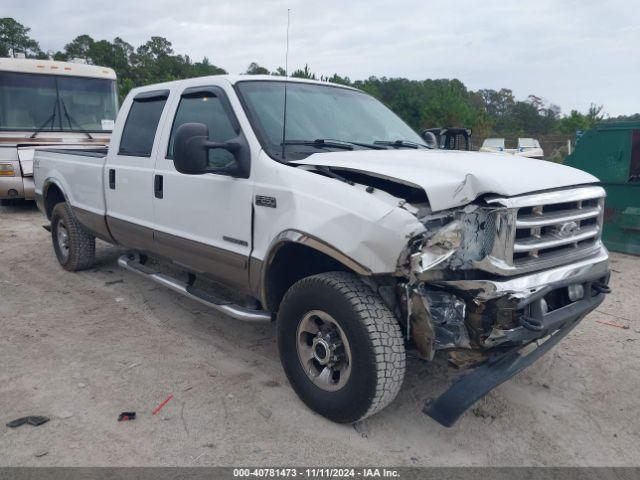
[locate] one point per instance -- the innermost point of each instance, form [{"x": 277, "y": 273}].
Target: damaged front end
[{"x": 486, "y": 282}]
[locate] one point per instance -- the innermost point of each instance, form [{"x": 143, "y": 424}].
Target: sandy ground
[{"x": 81, "y": 348}]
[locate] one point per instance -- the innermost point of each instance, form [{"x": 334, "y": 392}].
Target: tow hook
[{"x": 601, "y": 287}]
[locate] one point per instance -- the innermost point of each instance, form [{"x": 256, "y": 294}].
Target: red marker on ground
[
  {"x": 159, "y": 407},
  {"x": 612, "y": 324}
]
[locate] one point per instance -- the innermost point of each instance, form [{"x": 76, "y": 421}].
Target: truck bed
[
  {"x": 100, "y": 152},
  {"x": 77, "y": 171}
]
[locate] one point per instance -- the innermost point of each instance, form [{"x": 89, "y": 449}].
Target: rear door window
[{"x": 142, "y": 122}]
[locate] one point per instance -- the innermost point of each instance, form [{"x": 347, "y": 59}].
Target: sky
[{"x": 570, "y": 53}]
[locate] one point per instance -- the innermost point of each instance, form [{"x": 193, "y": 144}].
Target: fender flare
[
  {"x": 46, "y": 185},
  {"x": 295, "y": 236},
  {"x": 48, "y": 182}
]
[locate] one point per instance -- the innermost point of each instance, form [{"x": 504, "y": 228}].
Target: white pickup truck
[{"x": 344, "y": 227}]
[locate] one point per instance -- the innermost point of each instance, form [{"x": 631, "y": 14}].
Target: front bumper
[
  {"x": 594, "y": 266},
  {"x": 527, "y": 293},
  {"x": 449, "y": 406},
  {"x": 505, "y": 352}
]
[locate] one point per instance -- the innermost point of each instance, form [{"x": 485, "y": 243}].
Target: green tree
[
  {"x": 497, "y": 105},
  {"x": 595, "y": 114},
  {"x": 155, "y": 48},
  {"x": 79, "y": 47},
  {"x": 573, "y": 122},
  {"x": 102, "y": 52},
  {"x": 154, "y": 62},
  {"x": 578, "y": 121},
  {"x": 205, "y": 67},
  {"x": 255, "y": 69},
  {"x": 335, "y": 78},
  {"x": 304, "y": 73},
  {"x": 14, "y": 38}
]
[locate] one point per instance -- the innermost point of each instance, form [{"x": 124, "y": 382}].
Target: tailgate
[{"x": 26, "y": 161}]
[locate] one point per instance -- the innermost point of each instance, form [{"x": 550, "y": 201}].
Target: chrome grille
[
  {"x": 556, "y": 229},
  {"x": 546, "y": 229}
]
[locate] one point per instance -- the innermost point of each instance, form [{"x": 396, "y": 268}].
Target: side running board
[{"x": 235, "y": 311}]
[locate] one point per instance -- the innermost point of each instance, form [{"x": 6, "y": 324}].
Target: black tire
[
  {"x": 376, "y": 345},
  {"x": 80, "y": 250}
]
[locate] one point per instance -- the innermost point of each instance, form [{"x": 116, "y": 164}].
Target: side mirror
[{"x": 191, "y": 152}]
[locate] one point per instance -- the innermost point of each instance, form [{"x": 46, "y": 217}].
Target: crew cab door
[
  {"x": 204, "y": 221},
  {"x": 128, "y": 173}
]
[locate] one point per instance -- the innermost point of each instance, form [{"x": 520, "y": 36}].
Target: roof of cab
[
  {"x": 233, "y": 79},
  {"x": 275, "y": 78},
  {"x": 53, "y": 67}
]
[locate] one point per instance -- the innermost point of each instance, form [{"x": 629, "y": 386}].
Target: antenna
[{"x": 286, "y": 76}]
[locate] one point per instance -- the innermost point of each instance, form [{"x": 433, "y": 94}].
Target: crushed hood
[{"x": 454, "y": 178}]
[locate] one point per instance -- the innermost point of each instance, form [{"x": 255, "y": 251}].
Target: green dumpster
[{"x": 611, "y": 152}]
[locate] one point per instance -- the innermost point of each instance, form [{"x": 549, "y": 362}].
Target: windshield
[
  {"x": 319, "y": 112},
  {"x": 56, "y": 103}
]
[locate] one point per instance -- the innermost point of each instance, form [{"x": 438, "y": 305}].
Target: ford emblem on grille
[{"x": 568, "y": 229}]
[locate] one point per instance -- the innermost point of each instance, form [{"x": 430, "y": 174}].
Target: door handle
[
  {"x": 157, "y": 186},
  {"x": 112, "y": 179}
]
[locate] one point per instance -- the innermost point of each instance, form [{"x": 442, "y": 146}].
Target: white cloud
[{"x": 568, "y": 52}]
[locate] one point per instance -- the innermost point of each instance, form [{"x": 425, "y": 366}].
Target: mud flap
[{"x": 449, "y": 406}]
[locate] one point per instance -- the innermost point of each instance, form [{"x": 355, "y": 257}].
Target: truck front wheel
[
  {"x": 75, "y": 247},
  {"x": 340, "y": 346}
]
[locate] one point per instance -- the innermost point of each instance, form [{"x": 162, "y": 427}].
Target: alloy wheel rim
[
  {"x": 63, "y": 239},
  {"x": 323, "y": 350}
]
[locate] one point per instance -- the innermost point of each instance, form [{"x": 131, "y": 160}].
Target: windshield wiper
[
  {"x": 335, "y": 143},
  {"x": 320, "y": 143},
  {"x": 400, "y": 144},
  {"x": 71, "y": 119},
  {"x": 48, "y": 121},
  {"x": 359, "y": 144}
]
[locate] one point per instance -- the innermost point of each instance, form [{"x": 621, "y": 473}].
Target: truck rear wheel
[
  {"x": 341, "y": 347},
  {"x": 75, "y": 247}
]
